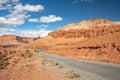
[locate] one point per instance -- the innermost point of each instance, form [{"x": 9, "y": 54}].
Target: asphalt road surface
[{"x": 89, "y": 70}]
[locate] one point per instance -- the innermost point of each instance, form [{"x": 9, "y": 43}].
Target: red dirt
[{"x": 24, "y": 65}]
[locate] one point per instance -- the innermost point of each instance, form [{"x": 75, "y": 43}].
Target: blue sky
[{"x": 38, "y": 17}]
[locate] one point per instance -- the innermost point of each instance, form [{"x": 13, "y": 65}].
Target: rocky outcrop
[
  {"x": 86, "y": 33},
  {"x": 104, "y": 48},
  {"x": 86, "y": 29}
]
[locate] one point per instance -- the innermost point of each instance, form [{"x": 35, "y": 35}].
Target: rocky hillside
[
  {"x": 85, "y": 24},
  {"x": 96, "y": 39},
  {"x": 12, "y": 39},
  {"x": 86, "y": 29},
  {"x": 84, "y": 33}
]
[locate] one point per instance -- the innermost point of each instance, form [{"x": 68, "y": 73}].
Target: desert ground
[{"x": 21, "y": 64}]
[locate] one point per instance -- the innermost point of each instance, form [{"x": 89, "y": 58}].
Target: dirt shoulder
[{"x": 30, "y": 65}]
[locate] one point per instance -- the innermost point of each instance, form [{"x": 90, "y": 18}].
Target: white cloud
[
  {"x": 4, "y": 1},
  {"x": 10, "y": 21},
  {"x": 8, "y": 4},
  {"x": 50, "y": 18},
  {"x": 33, "y": 20},
  {"x": 18, "y": 13},
  {"x": 24, "y": 33},
  {"x": 42, "y": 26},
  {"x": 28, "y": 7},
  {"x": 15, "y": 1},
  {"x": 13, "y": 19},
  {"x": 46, "y": 19},
  {"x": 8, "y": 1},
  {"x": 34, "y": 33},
  {"x": 90, "y": 1},
  {"x": 33, "y": 8},
  {"x": 75, "y": 2},
  {"x": 5, "y": 7},
  {"x": 6, "y": 31}
]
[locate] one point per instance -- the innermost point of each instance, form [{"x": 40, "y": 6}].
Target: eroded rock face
[
  {"x": 103, "y": 48},
  {"x": 86, "y": 33},
  {"x": 102, "y": 42}
]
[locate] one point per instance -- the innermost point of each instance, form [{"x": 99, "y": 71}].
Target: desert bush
[
  {"x": 60, "y": 66},
  {"x": 27, "y": 50},
  {"x": 30, "y": 55},
  {"x": 35, "y": 50},
  {"x": 10, "y": 52},
  {"x": 71, "y": 74},
  {"x": 2, "y": 63},
  {"x": 2, "y": 56}
]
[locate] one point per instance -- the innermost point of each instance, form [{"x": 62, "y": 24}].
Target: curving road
[{"x": 89, "y": 70}]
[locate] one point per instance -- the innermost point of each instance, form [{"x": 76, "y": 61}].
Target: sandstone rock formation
[
  {"x": 96, "y": 39},
  {"x": 86, "y": 33},
  {"x": 86, "y": 29}
]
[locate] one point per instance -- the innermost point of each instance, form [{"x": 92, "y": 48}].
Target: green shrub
[
  {"x": 2, "y": 56},
  {"x": 27, "y": 50},
  {"x": 35, "y": 50}
]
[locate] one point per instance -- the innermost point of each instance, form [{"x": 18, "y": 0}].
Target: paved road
[{"x": 89, "y": 70}]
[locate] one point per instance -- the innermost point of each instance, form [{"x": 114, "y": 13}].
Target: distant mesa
[{"x": 15, "y": 40}]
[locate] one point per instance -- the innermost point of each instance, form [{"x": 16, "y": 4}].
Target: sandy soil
[{"x": 30, "y": 65}]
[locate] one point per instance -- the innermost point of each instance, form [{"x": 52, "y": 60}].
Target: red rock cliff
[
  {"x": 97, "y": 39},
  {"x": 86, "y": 33},
  {"x": 86, "y": 29}
]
